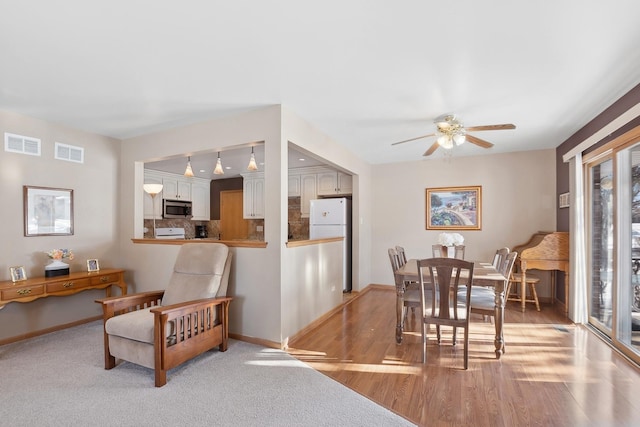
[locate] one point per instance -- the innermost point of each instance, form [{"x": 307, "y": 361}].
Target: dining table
[{"x": 484, "y": 274}]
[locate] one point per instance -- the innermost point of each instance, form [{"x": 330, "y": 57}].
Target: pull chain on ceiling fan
[{"x": 451, "y": 132}]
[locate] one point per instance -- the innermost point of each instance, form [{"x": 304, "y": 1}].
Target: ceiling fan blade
[
  {"x": 490, "y": 127},
  {"x": 431, "y": 149},
  {"x": 413, "y": 139},
  {"x": 480, "y": 142}
]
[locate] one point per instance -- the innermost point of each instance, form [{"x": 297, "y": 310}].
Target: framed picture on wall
[
  {"x": 454, "y": 208},
  {"x": 47, "y": 211}
]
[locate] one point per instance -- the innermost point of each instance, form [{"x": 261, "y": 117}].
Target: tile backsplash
[
  {"x": 298, "y": 226},
  {"x": 213, "y": 227}
]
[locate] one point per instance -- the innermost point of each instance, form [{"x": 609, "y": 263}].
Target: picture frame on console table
[
  {"x": 47, "y": 211},
  {"x": 18, "y": 273},
  {"x": 93, "y": 265},
  {"x": 454, "y": 208}
]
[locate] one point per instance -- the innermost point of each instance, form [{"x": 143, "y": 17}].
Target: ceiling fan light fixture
[
  {"x": 459, "y": 138},
  {"x": 218, "y": 170},
  {"x": 445, "y": 141}
]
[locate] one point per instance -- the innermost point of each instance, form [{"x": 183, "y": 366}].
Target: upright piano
[{"x": 545, "y": 250}]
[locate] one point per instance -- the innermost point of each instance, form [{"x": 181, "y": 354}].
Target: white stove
[{"x": 169, "y": 233}]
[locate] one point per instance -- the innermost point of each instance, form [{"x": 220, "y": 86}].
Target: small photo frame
[
  {"x": 92, "y": 265},
  {"x": 17, "y": 273}
]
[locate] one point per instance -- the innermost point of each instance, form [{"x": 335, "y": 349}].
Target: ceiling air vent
[
  {"x": 69, "y": 153},
  {"x": 21, "y": 144}
]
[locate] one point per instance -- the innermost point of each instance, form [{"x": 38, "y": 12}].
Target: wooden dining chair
[
  {"x": 445, "y": 308},
  {"x": 411, "y": 293},
  {"x": 499, "y": 257},
  {"x": 483, "y": 298}
]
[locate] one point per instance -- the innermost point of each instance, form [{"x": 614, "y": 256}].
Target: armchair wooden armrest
[
  {"x": 197, "y": 326},
  {"x": 130, "y": 302},
  {"x": 113, "y": 306}
]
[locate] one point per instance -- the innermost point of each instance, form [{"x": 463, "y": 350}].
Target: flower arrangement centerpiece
[
  {"x": 449, "y": 240},
  {"x": 57, "y": 267}
]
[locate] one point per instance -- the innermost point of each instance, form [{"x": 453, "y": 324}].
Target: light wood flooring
[{"x": 554, "y": 373}]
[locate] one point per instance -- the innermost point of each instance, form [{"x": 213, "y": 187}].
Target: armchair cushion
[
  {"x": 136, "y": 325},
  {"x": 197, "y": 273}
]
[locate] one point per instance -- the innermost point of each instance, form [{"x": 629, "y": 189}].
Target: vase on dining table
[{"x": 448, "y": 251}]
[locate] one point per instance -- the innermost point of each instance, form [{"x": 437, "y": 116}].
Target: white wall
[
  {"x": 388, "y": 206},
  {"x": 314, "y": 278},
  {"x": 95, "y": 187},
  {"x": 518, "y": 199},
  {"x": 260, "y": 287}
]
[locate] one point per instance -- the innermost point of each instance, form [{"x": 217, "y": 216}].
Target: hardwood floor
[{"x": 554, "y": 373}]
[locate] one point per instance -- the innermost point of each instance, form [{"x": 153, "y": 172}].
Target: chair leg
[
  {"x": 438, "y": 333},
  {"x": 535, "y": 295},
  {"x": 161, "y": 377},
  {"x": 466, "y": 347},
  {"x": 454, "y": 335},
  {"x": 424, "y": 342}
]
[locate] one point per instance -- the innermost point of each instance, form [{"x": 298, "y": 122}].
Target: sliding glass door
[
  {"x": 602, "y": 243},
  {"x": 613, "y": 200}
]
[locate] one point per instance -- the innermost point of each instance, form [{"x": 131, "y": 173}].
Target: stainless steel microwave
[{"x": 176, "y": 209}]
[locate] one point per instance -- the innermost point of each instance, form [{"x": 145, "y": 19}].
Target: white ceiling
[{"x": 366, "y": 72}]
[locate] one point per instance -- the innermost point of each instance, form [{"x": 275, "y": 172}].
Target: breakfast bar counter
[{"x": 230, "y": 243}]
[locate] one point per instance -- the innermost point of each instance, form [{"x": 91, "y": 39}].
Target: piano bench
[{"x": 532, "y": 281}]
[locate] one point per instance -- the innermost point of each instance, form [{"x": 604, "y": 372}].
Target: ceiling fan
[{"x": 450, "y": 131}]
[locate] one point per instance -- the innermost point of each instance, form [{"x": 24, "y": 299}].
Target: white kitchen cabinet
[
  {"x": 176, "y": 188},
  {"x": 151, "y": 177},
  {"x": 200, "y": 196},
  {"x": 253, "y": 196},
  {"x": 308, "y": 192},
  {"x": 294, "y": 186},
  {"x": 334, "y": 183}
]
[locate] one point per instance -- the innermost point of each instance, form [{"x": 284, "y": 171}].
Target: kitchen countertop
[
  {"x": 230, "y": 243},
  {"x": 296, "y": 243}
]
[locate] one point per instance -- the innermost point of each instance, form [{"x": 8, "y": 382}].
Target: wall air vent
[
  {"x": 21, "y": 144},
  {"x": 69, "y": 153}
]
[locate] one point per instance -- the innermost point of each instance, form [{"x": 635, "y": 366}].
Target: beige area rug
[{"x": 59, "y": 379}]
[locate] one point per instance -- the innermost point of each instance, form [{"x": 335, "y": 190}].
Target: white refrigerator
[{"x": 332, "y": 218}]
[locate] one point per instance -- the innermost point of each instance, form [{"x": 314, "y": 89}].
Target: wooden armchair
[{"x": 163, "y": 329}]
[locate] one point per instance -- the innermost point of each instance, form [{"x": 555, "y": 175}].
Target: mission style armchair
[{"x": 163, "y": 329}]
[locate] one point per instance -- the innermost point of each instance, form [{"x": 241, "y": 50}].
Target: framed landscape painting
[{"x": 454, "y": 208}]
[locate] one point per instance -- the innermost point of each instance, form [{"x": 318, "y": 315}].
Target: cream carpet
[{"x": 59, "y": 379}]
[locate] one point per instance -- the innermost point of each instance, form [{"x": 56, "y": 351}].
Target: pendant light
[
  {"x": 188, "y": 172},
  {"x": 252, "y": 162},
  {"x": 218, "y": 170}
]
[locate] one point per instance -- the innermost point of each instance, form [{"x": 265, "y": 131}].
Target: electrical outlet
[{"x": 259, "y": 228}]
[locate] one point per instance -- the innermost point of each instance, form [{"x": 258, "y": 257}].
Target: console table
[{"x": 42, "y": 287}]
